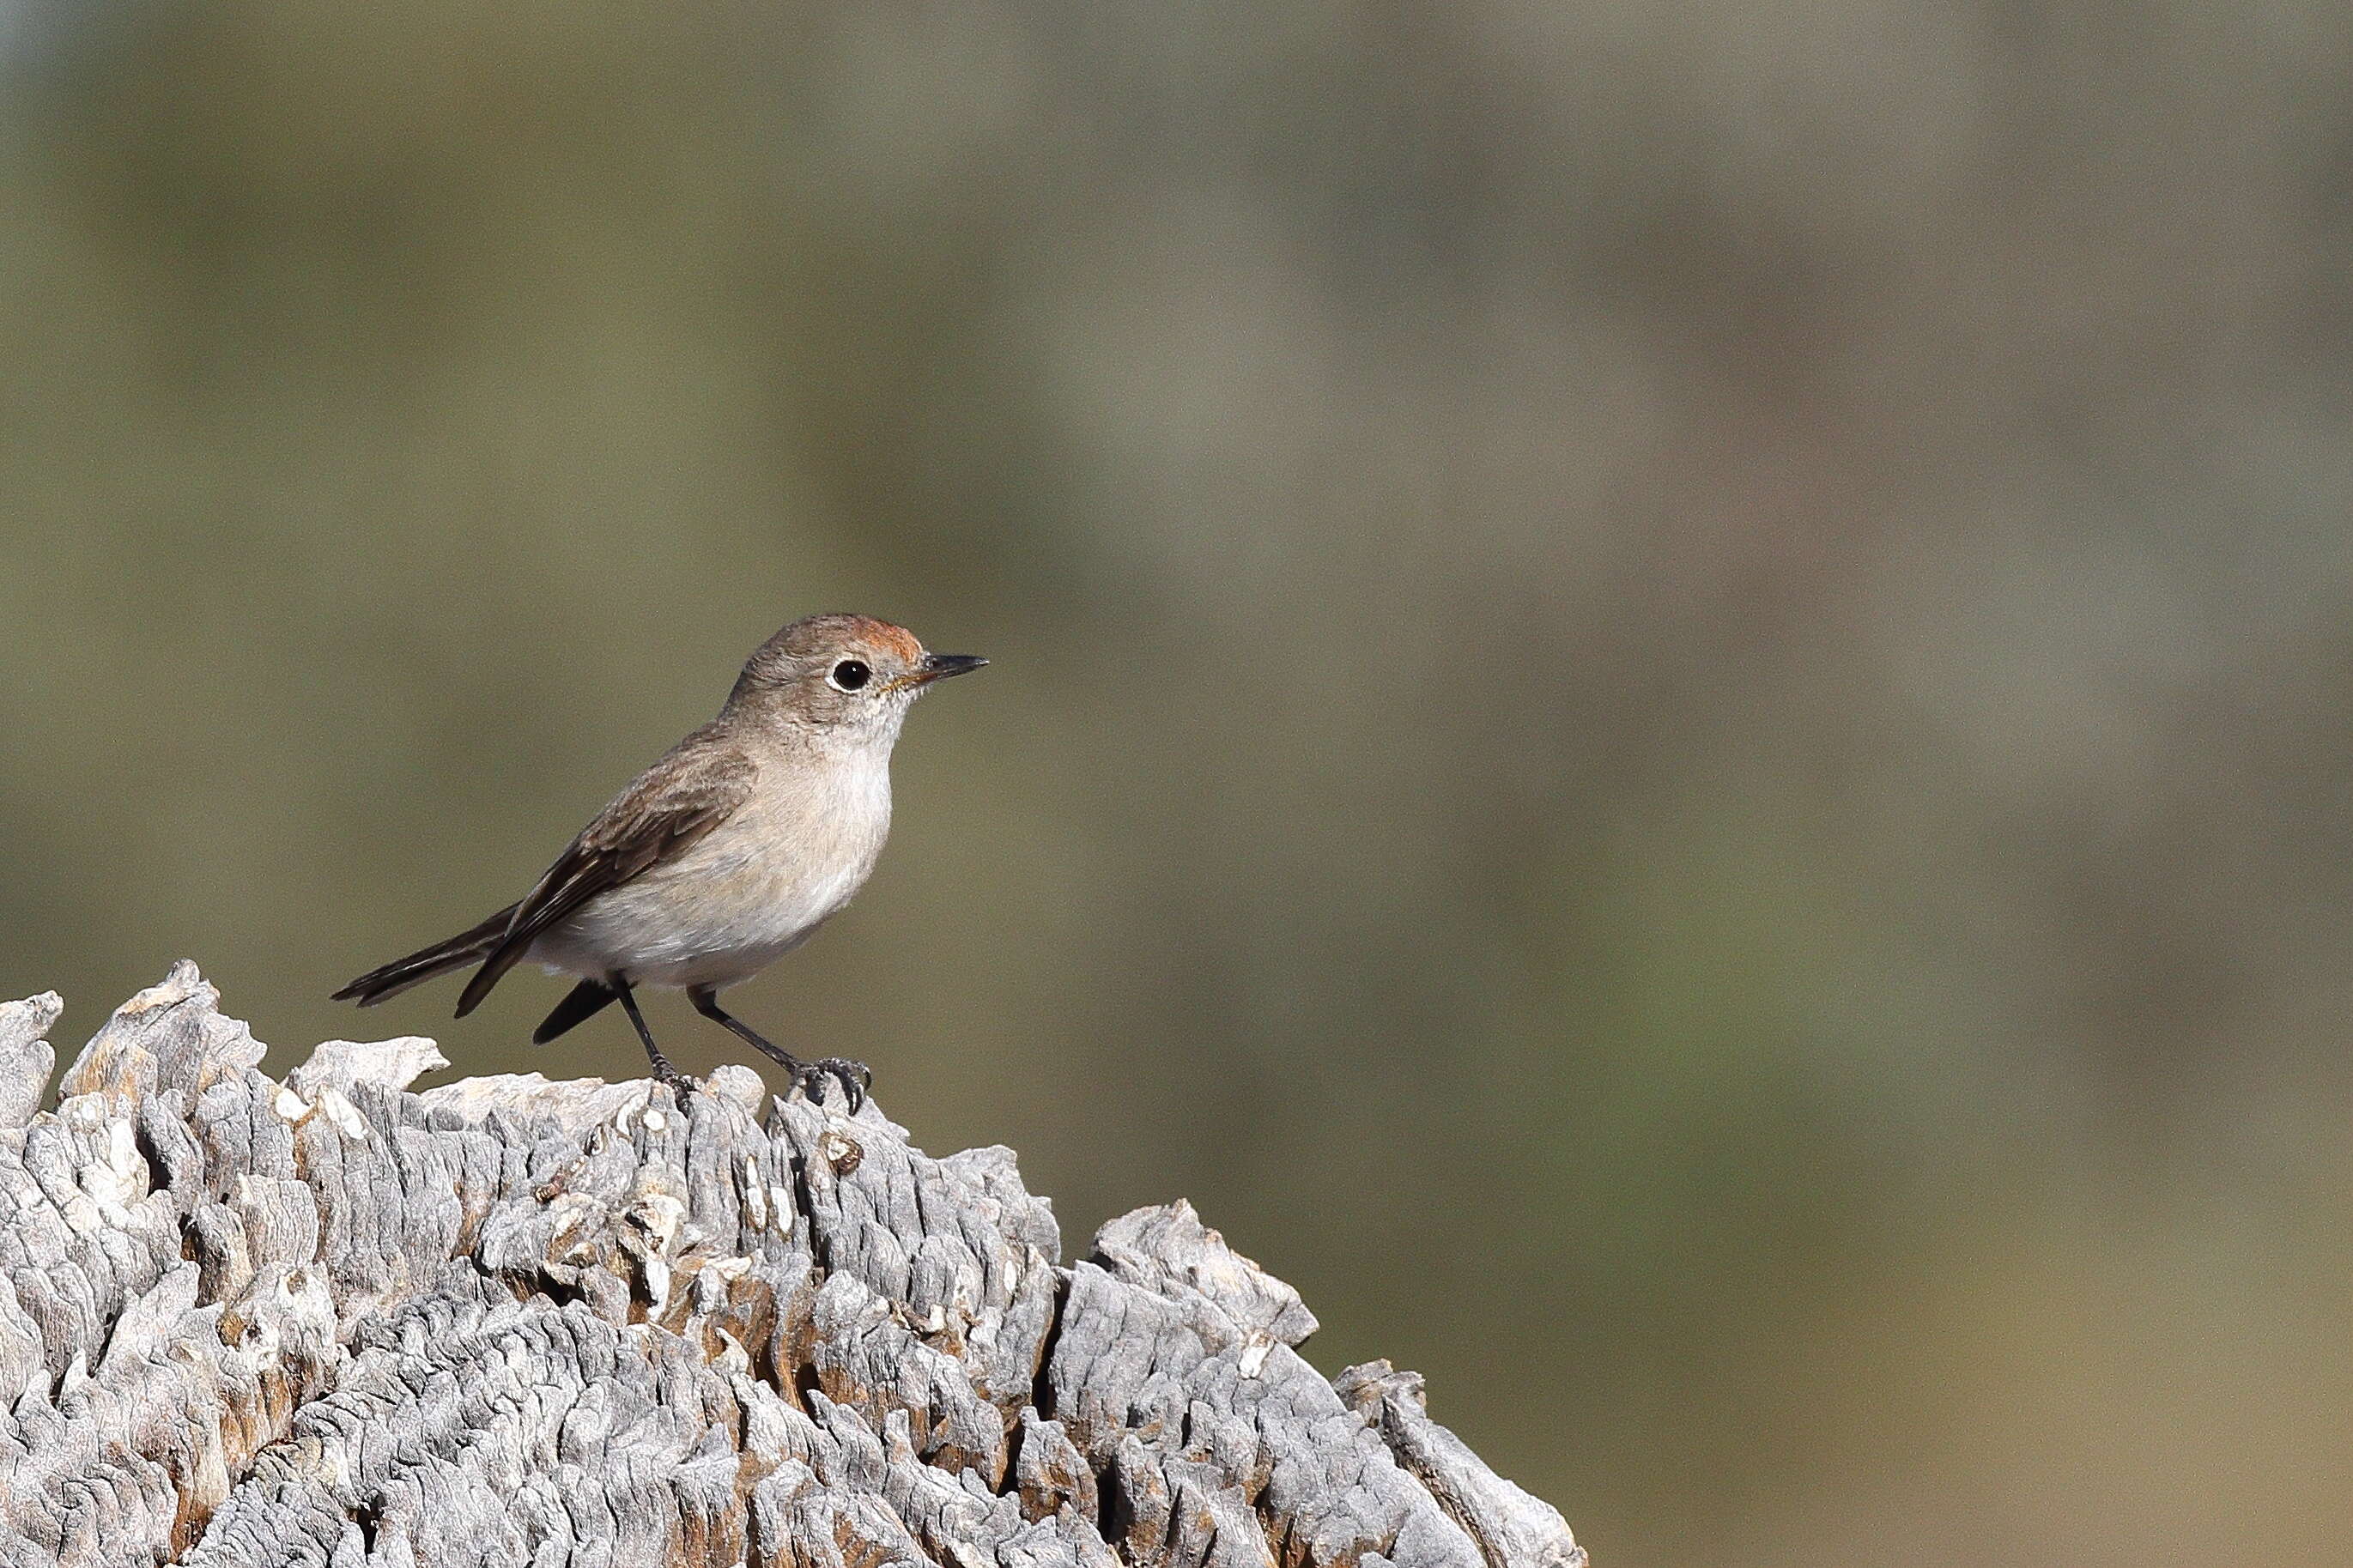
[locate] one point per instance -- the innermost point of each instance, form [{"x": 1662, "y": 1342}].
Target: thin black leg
[
  {"x": 663, "y": 1069},
  {"x": 812, "y": 1076},
  {"x": 706, "y": 1002}
]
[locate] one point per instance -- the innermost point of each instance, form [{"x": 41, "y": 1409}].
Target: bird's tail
[{"x": 392, "y": 979}]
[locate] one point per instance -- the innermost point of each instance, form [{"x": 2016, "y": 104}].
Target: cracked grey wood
[{"x": 509, "y": 1320}]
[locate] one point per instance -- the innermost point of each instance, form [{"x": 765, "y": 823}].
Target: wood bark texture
[{"x": 508, "y": 1320}]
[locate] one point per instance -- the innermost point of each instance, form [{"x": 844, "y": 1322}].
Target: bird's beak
[{"x": 940, "y": 665}]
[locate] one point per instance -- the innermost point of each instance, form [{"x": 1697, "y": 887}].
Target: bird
[{"x": 724, "y": 855}]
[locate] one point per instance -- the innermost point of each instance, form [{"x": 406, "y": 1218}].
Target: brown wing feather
[{"x": 693, "y": 789}]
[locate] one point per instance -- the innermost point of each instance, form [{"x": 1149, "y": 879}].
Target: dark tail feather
[
  {"x": 582, "y": 1002},
  {"x": 467, "y": 947},
  {"x": 501, "y": 955}
]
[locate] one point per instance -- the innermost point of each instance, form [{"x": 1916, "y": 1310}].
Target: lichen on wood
[{"x": 509, "y": 1320}]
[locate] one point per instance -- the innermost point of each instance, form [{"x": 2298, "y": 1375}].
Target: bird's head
[{"x": 846, "y": 675}]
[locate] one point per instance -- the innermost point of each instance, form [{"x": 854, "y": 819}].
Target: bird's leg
[
  {"x": 663, "y": 1069},
  {"x": 812, "y": 1076}
]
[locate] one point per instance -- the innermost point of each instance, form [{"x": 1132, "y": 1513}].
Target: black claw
[{"x": 853, "y": 1077}]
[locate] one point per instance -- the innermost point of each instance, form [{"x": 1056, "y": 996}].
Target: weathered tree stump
[{"x": 515, "y": 1321}]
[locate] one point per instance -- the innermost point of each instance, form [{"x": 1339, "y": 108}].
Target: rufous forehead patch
[
  {"x": 818, "y": 634},
  {"x": 895, "y": 638}
]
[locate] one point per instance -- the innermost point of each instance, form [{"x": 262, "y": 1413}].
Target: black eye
[{"x": 849, "y": 675}]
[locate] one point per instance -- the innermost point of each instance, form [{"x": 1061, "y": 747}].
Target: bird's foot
[
  {"x": 813, "y": 1079},
  {"x": 680, "y": 1084}
]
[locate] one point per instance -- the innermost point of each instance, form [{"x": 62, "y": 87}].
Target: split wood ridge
[{"x": 328, "y": 1319}]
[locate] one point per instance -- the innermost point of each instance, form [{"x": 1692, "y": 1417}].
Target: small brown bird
[{"x": 725, "y": 855}]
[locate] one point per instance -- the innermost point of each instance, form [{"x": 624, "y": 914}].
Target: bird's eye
[{"x": 849, "y": 675}]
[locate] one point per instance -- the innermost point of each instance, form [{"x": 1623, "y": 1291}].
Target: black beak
[{"x": 940, "y": 665}]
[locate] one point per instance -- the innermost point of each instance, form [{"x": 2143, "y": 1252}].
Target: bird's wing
[{"x": 693, "y": 789}]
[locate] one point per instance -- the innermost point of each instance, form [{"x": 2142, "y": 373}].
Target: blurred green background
[{"x": 1671, "y": 681}]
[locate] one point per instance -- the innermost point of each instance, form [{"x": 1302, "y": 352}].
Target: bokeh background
[{"x": 1672, "y": 688}]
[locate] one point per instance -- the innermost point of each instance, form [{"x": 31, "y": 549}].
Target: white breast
[{"x": 753, "y": 889}]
